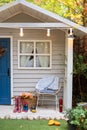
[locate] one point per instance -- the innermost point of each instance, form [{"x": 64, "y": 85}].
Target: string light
[
  {"x": 70, "y": 33},
  {"x": 48, "y": 32},
  {"x": 21, "y": 32}
]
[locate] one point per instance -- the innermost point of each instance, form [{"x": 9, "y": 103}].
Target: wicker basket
[{"x": 31, "y": 102}]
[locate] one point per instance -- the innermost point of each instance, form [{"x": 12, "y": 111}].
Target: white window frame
[{"x": 50, "y": 54}]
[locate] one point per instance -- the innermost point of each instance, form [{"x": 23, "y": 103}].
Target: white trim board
[{"x": 34, "y": 25}]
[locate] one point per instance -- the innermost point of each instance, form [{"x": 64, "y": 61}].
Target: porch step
[{"x": 6, "y": 112}]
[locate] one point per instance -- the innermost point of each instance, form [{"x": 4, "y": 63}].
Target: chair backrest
[
  {"x": 60, "y": 84},
  {"x": 48, "y": 82}
]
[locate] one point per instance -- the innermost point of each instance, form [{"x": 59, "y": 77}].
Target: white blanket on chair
[{"x": 48, "y": 83}]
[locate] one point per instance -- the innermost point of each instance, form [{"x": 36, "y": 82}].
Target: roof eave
[{"x": 47, "y": 13}]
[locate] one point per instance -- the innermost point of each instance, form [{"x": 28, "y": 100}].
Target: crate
[{"x": 31, "y": 102}]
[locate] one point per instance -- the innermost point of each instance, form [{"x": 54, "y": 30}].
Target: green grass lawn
[{"x": 30, "y": 125}]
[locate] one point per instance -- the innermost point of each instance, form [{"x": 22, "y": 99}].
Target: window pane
[
  {"x": 43, "y": 61},
  {"x": 43, "y": 47},
  {"x": 27, "y": 61},
  {"x": 26, "y": 47},
  {"x": 34, "y": 54}
]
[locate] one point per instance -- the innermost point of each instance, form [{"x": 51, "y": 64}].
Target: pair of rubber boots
[{"x": 18, "y": 104}]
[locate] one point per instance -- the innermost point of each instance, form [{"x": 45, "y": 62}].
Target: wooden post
[{"x": 68, "y": 73}]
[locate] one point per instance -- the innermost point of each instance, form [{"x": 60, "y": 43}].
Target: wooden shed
[{"x": 29, "y": 32}]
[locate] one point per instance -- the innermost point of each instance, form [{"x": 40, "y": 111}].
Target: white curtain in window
[
  {"x": 29, "y": 63},
  {"x": 23, "y": 58}
]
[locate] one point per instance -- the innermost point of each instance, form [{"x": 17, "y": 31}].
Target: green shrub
[{"x": 78, "y": 117}]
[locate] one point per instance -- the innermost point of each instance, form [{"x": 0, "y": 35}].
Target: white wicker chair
[{"x": 41, "y": 94}]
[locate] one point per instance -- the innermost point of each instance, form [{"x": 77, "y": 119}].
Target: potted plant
[{"x": 77, "y": 118}]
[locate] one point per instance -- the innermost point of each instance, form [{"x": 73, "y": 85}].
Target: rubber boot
[
  {"x": 19, "y": 104},
  {"x": 16, "y": 105}
]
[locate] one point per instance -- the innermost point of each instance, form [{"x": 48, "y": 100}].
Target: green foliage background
[{"x": 75, "y": 10}]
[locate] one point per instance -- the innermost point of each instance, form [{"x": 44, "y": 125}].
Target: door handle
[{"x": 8, "y": 72}]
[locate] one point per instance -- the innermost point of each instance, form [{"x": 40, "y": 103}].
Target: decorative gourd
[
  {"x": 51, "y": 122},
  {"x": 26, "y": 95},
  {"x": 22, "y": 95},
  {"x": 57, "y": 123}
]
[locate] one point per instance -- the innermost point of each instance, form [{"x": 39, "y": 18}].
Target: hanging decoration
[{"x": 2, "y": 51}]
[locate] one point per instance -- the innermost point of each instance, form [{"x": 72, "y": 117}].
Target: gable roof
[{"x": 20, "y": 6}]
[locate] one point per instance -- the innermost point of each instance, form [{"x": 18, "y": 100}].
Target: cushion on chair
[{"x": 49, "y": 91}]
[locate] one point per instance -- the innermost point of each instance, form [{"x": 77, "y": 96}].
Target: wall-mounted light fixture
[
  {"x": 21, "y": 32},
  {"x": 48, "y": 32},
  {"x": 70, "y": 33}
]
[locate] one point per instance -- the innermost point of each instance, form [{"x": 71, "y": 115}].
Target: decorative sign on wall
[{"x": 2, "y": 51}]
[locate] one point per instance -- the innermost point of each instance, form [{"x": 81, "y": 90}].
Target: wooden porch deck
[{"x": 6, "y": 112}]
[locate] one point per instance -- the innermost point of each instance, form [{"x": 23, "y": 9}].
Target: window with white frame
[{"x": 34, "y": 54}]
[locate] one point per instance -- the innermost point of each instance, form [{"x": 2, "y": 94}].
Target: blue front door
[{"x": 5, "y": 72}]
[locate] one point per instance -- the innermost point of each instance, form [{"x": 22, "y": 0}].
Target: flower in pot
[{"x": 77, "y": 117}]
